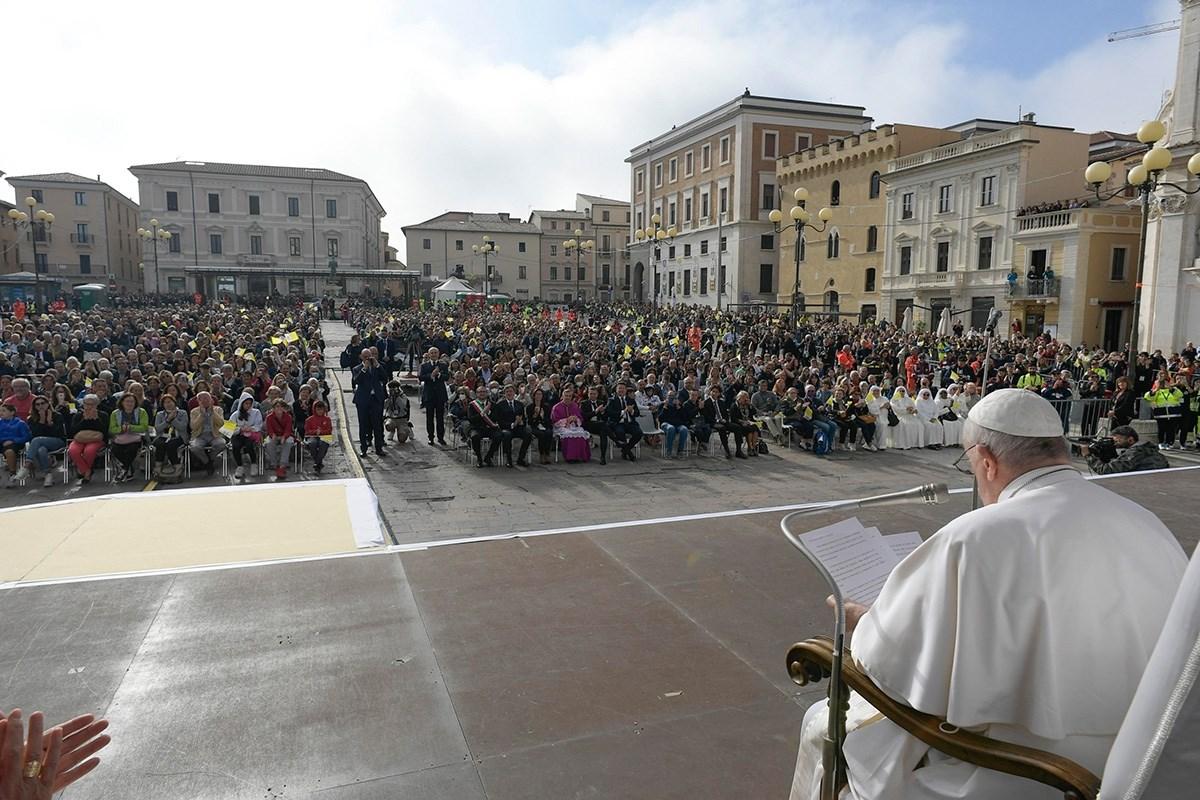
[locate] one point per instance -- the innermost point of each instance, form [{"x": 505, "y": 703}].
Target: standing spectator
[
  {"x": 88, "y": 431},
  {"x": 14, "y": 433},
  {"x": 369, "y": 382},
  {"x": 318, "y": 424},
  {"x": 127, "y": 430},
  {"x": 280, "y": 437},
  {"x": 48, "y": 432},
  {"x": 1166, "y": 406},
  {"x": 1124, "y": 407},
  {"x": 434, "y": 397},
  {"x": 207, "y": 440},
  {"x": 246, "y": 437}
]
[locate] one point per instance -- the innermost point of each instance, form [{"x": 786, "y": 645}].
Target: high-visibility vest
[
  {"x": 1030, "y": 381},
  {"x": 1165, "y": 398}
]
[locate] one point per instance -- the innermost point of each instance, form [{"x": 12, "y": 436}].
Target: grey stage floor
[{"x": 635, "y": 662}]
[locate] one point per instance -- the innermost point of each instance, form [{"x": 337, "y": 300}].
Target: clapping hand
[{"x": 46, "y": 762}]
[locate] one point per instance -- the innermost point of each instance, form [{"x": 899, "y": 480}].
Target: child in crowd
[{"x": 316, "y": 425}]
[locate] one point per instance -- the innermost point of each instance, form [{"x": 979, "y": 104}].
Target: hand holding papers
[{"x": 859, "y": 559}]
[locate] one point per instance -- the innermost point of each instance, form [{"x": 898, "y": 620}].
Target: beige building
[
  {"x": 566, "y": 275},
  {"x": 9, "y": 262},
  {"x": 253, "y": 230},
  {"x": 441, "y": 247},
  {"x": 719, "y": 169},
  {"x": 841, "y": 266},
  {"x": 94, "y": 235},
  {"x": 951, "y": 213},
  {"x": 610, "y": 221}
]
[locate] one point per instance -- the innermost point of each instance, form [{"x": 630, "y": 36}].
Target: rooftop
[
  {"x": 473, "y": 221},
  {"x": 261, "y": 170},
  {"x": 594, "y": 198},
  {"x": 569, "y": 213},
  {"x": 55, "y": 177}
]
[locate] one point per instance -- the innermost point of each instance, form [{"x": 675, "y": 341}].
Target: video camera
[{"x": 1103, "y": 448}]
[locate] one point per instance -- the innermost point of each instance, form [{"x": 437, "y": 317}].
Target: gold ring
[{"x": 33, "y": 768}]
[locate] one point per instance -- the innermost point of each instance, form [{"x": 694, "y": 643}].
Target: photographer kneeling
[{"x": 1135, "y": 456}]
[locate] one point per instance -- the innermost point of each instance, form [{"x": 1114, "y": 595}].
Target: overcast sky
[{"x": 510, "y": 106}]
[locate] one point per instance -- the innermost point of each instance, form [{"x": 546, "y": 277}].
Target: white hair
[{"x": 1017, "y": 452}]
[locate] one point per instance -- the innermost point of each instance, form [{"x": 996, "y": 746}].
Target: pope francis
[{"x": 1029, "y": 620}]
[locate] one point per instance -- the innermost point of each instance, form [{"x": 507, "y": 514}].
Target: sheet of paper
[
  {"x": 901, "y": 544},
  {"x": 856, "y": 557}
]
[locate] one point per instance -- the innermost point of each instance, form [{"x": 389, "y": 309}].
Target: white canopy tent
[{"x": 449, "y": 289}]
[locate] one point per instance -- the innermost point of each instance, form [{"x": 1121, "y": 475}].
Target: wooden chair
[{"x": 1156, "y": 752}]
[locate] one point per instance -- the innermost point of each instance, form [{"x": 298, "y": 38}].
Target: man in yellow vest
[
  {"x": 1166, "y": 406},
  {"x": 1031, "y": 379}
]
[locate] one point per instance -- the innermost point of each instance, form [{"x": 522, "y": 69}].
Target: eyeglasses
[{"x": 963, "y": 464}]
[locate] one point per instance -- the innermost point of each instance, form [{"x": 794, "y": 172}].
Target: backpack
[{"x": 820, "y": 443}]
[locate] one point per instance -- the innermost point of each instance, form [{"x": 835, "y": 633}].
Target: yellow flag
[
  {"x": 276, "y": 340},
  {"x": 628, "y": 351},
  {"x": 192, "y": 344},
  {"x": 292, "y": 337},
  {"x": 241, "y": 351},
  {"x": 645, "y": 349},
  {"x": 675, "y": 340}
]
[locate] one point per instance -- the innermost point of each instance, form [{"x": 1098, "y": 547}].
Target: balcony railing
[
  {"x": 1038, "y": 287},
  {"x": 1048, "y": 219},
  {"x": 83, "y": 239},
  {"x": 967, "y": 146}
]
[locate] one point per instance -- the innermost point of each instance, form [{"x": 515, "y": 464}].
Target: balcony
[
  {"x": 1048, "y": 220},
  {"x": 1017, "y": 133},
  {"x": 255, "y": 260},
  {"x": 83, "y": 239},
  {"x": 1038, "y": 288},
  {"x": 928, "y": 281}
]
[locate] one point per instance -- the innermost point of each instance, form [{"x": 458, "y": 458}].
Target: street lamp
[
  {"x": 157, "y": 234},
  {"x": 43, "y": 219},
  {"x": 487, "y": 248},
  {"x": 1145, "y": 179},
  {"x": 800, "y": 220},
  {"x": 656, "y": 237},
  {"x": 580, "y": 247}
]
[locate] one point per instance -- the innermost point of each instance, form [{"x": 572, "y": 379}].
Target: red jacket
[
  {"x": 316, "y": 425},
  {"x": 280, "y": 427}
]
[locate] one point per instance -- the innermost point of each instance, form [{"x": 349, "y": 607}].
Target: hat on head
[{"x": 1017, "y": 412}]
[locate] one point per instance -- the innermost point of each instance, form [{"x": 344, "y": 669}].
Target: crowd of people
[
  {"x": 610, "y": 377},
  {"x": 181, "y": 386}
]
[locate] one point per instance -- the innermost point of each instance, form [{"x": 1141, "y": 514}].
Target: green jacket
[
  {"x": 1165, "y": 398},
  {"x": 1030, "y": 380},
  {"x": 141, "y": 423},
  {"x": 1143, "y": 455}
]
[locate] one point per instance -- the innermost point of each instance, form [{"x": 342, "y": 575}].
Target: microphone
[
  {"x": 930, "y": 494},
  {"x": 992, "y": 320}
]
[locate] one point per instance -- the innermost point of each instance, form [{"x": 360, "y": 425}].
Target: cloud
[{"x": 494, "y": 108}]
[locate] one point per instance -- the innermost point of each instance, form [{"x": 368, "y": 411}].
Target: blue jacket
[{"x": 14, "y": 430}]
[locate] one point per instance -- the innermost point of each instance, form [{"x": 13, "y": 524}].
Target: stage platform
[{"x": 636, "y": 660}]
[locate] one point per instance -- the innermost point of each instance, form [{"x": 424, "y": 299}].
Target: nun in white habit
[
  {"x": 878, "y": 405},
  {"x": 998, "y": 622},
  {"x": 951, "y": 429},
  {"x": 911, "y": 431},
  {"x": 928, "y": 411}
]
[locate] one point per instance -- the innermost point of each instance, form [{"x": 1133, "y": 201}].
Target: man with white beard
[{"x": 1029, "y": 620}]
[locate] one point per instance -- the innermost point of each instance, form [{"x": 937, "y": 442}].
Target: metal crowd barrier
[{"x": 1087, "y": 416}]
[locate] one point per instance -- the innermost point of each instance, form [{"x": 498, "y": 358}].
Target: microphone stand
[{"x": 833, "y": 762}]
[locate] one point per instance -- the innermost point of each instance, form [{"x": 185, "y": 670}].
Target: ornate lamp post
[
  {"x": 486, "y": 248},
  {"x": 800, "y": 220},
  {"x": 157, "y": 234},
  {"x": 656, "y": 237},
  {"x": 1145, "y": 179},
  {"x": 580, "y": 247},
  {"x": 42, "y": 219}
]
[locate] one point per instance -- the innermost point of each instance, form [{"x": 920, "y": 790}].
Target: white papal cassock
[{"x": 1029, "y": 620}]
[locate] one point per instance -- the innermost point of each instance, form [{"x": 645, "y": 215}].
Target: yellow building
[
  {"x": 841, "y": 267},
  {"x": 1092, "y": 253}
]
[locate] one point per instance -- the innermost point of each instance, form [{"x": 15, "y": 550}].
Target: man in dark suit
[
  {"x": 509, "y": 415},
  {"x": 716, "y": 417},
  {"x": 370, "y": 390},
  {"x": 479, "y": 414},
  {"x": 595, "y": 420},
  {"x": 433, "y": 394},
  {"x": 621, "y": 414}
]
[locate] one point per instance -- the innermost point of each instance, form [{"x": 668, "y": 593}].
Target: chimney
[{"x": 504, "y": 216}]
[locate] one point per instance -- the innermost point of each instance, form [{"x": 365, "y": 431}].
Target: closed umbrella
[{"x": 943, "y": 326}]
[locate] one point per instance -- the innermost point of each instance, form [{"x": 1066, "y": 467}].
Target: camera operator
[{"x": 1135, "y": 456}]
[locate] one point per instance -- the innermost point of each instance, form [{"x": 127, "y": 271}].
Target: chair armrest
[{"x": 811, "y": 660}]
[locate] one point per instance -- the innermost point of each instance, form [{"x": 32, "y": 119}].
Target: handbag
[
  {"x": 893, "y": 420},
  {"x": 866, "y": 419},
  {"x": 127, "y": 437},
  {"x": 762, "y": 448},
  {"x": 948, "y": 416}
]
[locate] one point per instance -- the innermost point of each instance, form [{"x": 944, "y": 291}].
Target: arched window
[
  {"x": 831, "y": 302},
  {"x": 833, "y": 245},
  {"x": 803, "y": 248},
  {"x": 869, "y": 281},
  {"x": 872, "y": 238},
  {"x": 835, "y": 193},
  {"x": 874, "y": 184}
]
